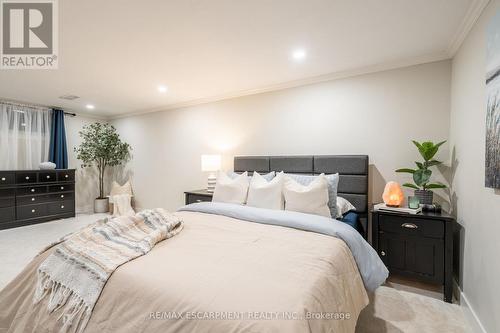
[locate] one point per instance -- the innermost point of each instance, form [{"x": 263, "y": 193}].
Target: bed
[{"x": 232, "y": 269}]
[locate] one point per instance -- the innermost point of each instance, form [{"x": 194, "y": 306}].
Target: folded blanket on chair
[
  {"x": 74, "y": 275},
  {"x": 122, "y": 206}
]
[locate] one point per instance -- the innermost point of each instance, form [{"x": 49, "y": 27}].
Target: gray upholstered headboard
[{"x": 352, "y": 169}]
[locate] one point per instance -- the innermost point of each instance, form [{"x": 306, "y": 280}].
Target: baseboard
[{"x": 470, "y": 314}]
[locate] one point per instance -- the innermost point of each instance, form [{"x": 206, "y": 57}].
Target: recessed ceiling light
[
  {"x": 298, "y": 54},
  {"x": 90, "y": 106},
  {"x": 162, "y": 88},
  {"x": 69, "y": 97}
]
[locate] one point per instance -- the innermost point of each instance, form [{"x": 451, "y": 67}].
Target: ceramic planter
[
  {"x": 424, "y": 196},
  {"x": 101, "y": 205}
]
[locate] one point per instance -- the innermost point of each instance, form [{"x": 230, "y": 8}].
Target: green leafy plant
[
  {"x": 422, "y": 174},
  {"x": 101, "y": 147}
]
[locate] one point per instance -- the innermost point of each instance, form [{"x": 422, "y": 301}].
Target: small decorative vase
[
  {"x": 424, "y": 196},
  {"x": 101, "y": 205}
]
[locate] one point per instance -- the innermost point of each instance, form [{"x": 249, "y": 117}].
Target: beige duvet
[{"x": 218, "y": 275}]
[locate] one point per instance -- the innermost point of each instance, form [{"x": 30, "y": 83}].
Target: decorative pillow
[
  {"x": 343, "y": 206},
  {"x": 311, "y": 199},
  {"x": 267, "y": 176},
  {"x": 333, "y": 184},
  {"x": 117, "y": 189},
  {"x": 266, "y": 194},
  {"x": 231, "y": 190}
]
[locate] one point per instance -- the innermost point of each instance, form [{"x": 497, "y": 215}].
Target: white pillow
[
  {"x": 266, "y": 194},
  {"x": 267, "y": 176},
  {"x": 311, "y": 199},
  {"x": 343, "y": 206},
  {"x": 231, "y": 190}
]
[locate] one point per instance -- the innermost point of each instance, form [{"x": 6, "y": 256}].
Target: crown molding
[
  {"x": 473, "y": 13},
  {"x": 296, "y": 83}
]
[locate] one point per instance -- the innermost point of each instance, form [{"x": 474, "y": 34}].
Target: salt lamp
[{"x": 393, "y": 195}]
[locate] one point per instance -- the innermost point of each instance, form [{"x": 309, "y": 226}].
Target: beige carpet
[{"x": 391, "y": 310}]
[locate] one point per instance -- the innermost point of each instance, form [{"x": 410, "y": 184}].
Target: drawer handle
[
  {"x": 66, "y": 176},
  {"x": 409, "y": 226},
  {"x": 62, "y": 187},
  {"x": 198, "y": 200},
  {"x": 62, "y": 195},
  {"x": 32, "y": 199},
  {"x": 32, "y": 190},
  {"x": 27, "y": 178},
  {"x": 33, "y": 210},
  {"x": 48, "y": 177},
  {"x": 3, "y": 179},
  {"x": 382, "y": 253},
  {"x": 62, "y": 207}
]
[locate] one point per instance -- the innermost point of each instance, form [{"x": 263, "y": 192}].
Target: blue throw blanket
[{"x": 371, "y": 268}]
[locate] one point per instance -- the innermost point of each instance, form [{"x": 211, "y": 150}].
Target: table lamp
[
  {"x": 393, "y": 194},
  {"x": 211, "y": 164}
]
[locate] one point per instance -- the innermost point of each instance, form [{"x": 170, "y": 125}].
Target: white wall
[
  {"x": 477, "y": 207},
  {"x": 375, "y": 114}
]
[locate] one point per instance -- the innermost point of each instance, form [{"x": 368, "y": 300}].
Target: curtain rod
[{"x": 16, "y": 103}]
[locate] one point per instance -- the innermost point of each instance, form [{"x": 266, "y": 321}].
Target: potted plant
[
  {"x": 422, "y": 174},
  {"x": 101, "y": 147}
]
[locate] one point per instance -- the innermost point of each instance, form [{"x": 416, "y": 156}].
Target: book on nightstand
[{"x": 384, "y": 208}]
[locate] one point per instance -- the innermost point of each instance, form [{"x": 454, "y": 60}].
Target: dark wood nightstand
[
  {"x": 417, "y": 246},
  {"x": 198, "y": 196}
]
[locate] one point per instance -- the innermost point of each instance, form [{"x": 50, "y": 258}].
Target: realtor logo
[{"x": 29, "y": 34}]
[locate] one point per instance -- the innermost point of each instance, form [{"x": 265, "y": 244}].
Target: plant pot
[
  {"x": 425, "y": 197},
  {"x": 101, "y": 205}
]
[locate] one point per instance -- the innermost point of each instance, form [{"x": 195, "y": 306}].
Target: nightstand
[
  {"x": 417, "y": 246},
  {"x": 198, "y": 196}
]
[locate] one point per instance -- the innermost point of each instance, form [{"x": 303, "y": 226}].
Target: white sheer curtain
[{"x": 24, "y": 136}]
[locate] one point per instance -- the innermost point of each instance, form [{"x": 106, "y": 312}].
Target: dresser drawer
[
  {"x": 7, "y": 178},
  {"x": 7, "y": 214},
  {"x": 32, "y": 199},
  {"x": 31, "y": 211},
  {"x": 63, "y": 207},
  {"x": 26, "y": 177},
  {"x": 6, "y": 193},
  {"x": 61, "y": 196},
  {"x": 7, "y": 197},
  {"x": 61, "y": 188},
  {"x": 47, "y": 177},
  {"x": 27, "y": 190},
  {"x": 411, "y": 226},
  {"x": 193, "y": 198},
  {"x": 7, "y": 201},
  {"x": 66, "y": 175}
]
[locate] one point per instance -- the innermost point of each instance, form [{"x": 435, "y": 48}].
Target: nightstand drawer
[
  {"x": 411, "y": 226},
  {"x": 193, "y": 198}
]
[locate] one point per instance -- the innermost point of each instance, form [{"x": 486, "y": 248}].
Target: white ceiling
[{"x": 115, "y": 53}]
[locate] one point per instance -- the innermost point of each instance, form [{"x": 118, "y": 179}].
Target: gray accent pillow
[
  {"x": 268, "y": 176},
  {"x": 333, "y": 184}
]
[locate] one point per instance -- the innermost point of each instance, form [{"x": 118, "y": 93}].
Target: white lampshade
[{"x": 210, "y": 163}]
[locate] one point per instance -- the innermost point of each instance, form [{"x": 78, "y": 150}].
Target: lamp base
[{"x": 212, "y": 180}]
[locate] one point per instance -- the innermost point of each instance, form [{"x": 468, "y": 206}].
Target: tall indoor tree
[{"x": 102, "y": 147}]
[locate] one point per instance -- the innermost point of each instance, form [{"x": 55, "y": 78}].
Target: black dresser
[
  {"x": 418, "y": 246},
  {"x": 34, "y": 196}
]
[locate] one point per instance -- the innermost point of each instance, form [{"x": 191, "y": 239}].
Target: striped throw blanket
[{"x": 74, "y": 274}]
